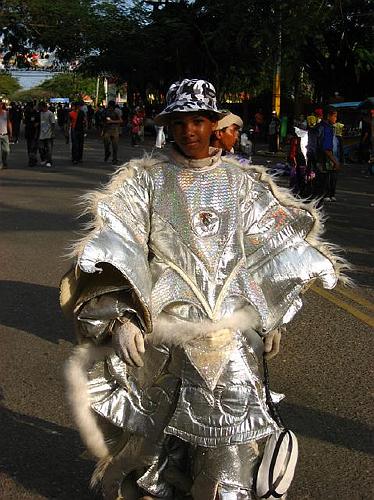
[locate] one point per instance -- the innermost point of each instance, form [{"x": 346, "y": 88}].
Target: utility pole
[
  {"x": 97, "y": 91},
  {"x": 106, "y": 90},
  {"x": 277, "y": 71}
]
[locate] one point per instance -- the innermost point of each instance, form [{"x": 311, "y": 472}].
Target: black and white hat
[{"x": 188, "y": 96}]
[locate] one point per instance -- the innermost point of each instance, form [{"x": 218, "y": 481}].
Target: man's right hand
[{"x": 128, "y": 343}]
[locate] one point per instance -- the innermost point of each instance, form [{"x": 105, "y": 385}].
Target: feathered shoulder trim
[
  {"x": 285, "y": 198},
  {"x": 89, "y": 202}
]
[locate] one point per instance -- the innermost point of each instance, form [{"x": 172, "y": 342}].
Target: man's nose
[{"x": 188, "y": 128}]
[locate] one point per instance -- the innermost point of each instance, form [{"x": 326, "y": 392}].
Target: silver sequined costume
[{"x": 207, "y": 255}]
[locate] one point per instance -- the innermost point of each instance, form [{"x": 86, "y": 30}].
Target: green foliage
[
  {"x": 35, "y": 93},
  {"x": 8, "y": 85},
  {"x": 71, "y": 85},
  {"x": 233, "y": 44},
  {"x": 63, "y": 25}
]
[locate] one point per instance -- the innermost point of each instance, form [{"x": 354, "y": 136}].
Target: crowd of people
[
  {"x": 314, "y": 143},
  {"x": 74, "y": 120}
]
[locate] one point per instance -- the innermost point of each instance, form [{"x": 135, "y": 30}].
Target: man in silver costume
[{"x": 191, "y": 265}]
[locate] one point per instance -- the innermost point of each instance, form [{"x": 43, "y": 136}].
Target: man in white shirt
[
  {"x": 5, "y": 135},
  {"x": 47, "y": 133}
]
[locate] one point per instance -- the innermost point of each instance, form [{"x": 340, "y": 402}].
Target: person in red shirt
[
  {"x": 77, "y": 130},
  {"x": 136, "y": 124}
]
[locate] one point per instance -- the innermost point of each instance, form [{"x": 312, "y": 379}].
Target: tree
[
  {"x": 339, "y": 57},
  {"x": 73, "y": 85},
  {"x": 61, "y": 25},
  {"x": 329, "y": 42},
  {"x": 8, "y": 85},
  {"x": 35, "y": 93}
]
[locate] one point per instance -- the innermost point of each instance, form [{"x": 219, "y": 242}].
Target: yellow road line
[
  {"x": 348, "y": 292},
  {"x": 365, "y": 318}
]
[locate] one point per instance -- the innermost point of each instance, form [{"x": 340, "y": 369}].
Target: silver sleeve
[{"x": 96, "y": 317}]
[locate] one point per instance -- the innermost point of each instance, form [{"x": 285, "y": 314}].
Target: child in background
[{"x": 339, "y": 128}]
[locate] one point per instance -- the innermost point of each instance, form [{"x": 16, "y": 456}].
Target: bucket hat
[{"x": 188, "y": 96}]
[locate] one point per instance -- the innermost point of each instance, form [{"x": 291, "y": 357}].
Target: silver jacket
[
  {"x": 200, "y": 242},
  {"x": 203, "y": 248}
]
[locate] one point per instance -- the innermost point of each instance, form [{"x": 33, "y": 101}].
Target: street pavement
[{"x": 325, "y": 365}]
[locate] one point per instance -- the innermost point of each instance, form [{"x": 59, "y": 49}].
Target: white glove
[
  {"x": 272, "y": 343},
  {"x": 128, "y": 343}
]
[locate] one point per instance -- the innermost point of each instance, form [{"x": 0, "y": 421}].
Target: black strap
[{"x": 272, "y": 407}]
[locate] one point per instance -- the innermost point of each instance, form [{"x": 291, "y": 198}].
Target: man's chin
[{"x": 194, "y": 151}]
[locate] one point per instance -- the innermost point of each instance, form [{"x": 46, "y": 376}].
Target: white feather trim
[
  {"x": 77, "y": 393},
  {"x": 314, "y": 238},
  {"x": 89, "y": 201},
  {"x": 170, "y": 330}
]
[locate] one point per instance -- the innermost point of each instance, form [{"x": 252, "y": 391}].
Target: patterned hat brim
[{"x": 184, "y": 106}]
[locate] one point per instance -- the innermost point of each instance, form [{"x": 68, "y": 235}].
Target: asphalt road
[{"x": 325, "y": 366}]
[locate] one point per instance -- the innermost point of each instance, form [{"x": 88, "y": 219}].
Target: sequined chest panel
[{"x": 196, "y": 224}]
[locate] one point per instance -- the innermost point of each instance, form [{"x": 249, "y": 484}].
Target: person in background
[
  {"x": 339, "y": 129},
  {"x": 99, "y": 119},
  {"x": 312, "y": 173},
  {"x": 226, "y": 133},
  {"x": 60, "y": 116},
  {"x": 294, "y": 184},
  {"x": 66, "y": 123},
  {"x": 283, "y": 129},
  {"x": 301, "y": 122},
  {"x": 112, "y": 122},
  {"x": 259, "y": 124},
  {"x": 32, "y": 125},
  {"x": 136, "y": 123},
  {"x": 46, "y": 135},
  {"x": 273, "y": 133},
  {"x": 327, "y": 157},
  {"x": 90, "y": 116},
  {"x": 15, "y": 117},
  {"x": 5, "y": 135},
  {"x": 78, "y": 125},
  {"x": 160, "y": 137},
  {"x": 142, "y": 115},
  {"x": 365, "y": 138},
  {"x": 318, "y": 113}
]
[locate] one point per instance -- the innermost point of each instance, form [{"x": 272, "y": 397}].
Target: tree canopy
[
  {"x": 8, "y": 85},
  {"x": 72, "y": 85},
  {"x": 326, "y": 45}
]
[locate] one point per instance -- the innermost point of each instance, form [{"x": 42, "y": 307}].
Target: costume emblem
[{"x": 205, "y": 223}]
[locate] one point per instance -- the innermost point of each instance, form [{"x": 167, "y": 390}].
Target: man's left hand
[{"x": 272, "y": 343}]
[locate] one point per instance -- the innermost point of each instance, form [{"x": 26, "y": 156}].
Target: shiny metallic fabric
[
  {"x": 209, "y": 393},
  {"x": 201, "y": 236},
  {"x": 197, "y": 244}
]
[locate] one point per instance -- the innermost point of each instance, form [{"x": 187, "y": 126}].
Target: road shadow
[
  {"x": 328, "y": 427},
  {"x": 20, "y": 219},
  {"x": 34, "y": 309},
  {"x": 44, "y": 457}
]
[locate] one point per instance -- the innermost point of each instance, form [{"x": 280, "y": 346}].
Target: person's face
[
  {"x": 192, "y": 132},
  {"x": 332, "y": 118},
  {"x": 228, "y": 137}
]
